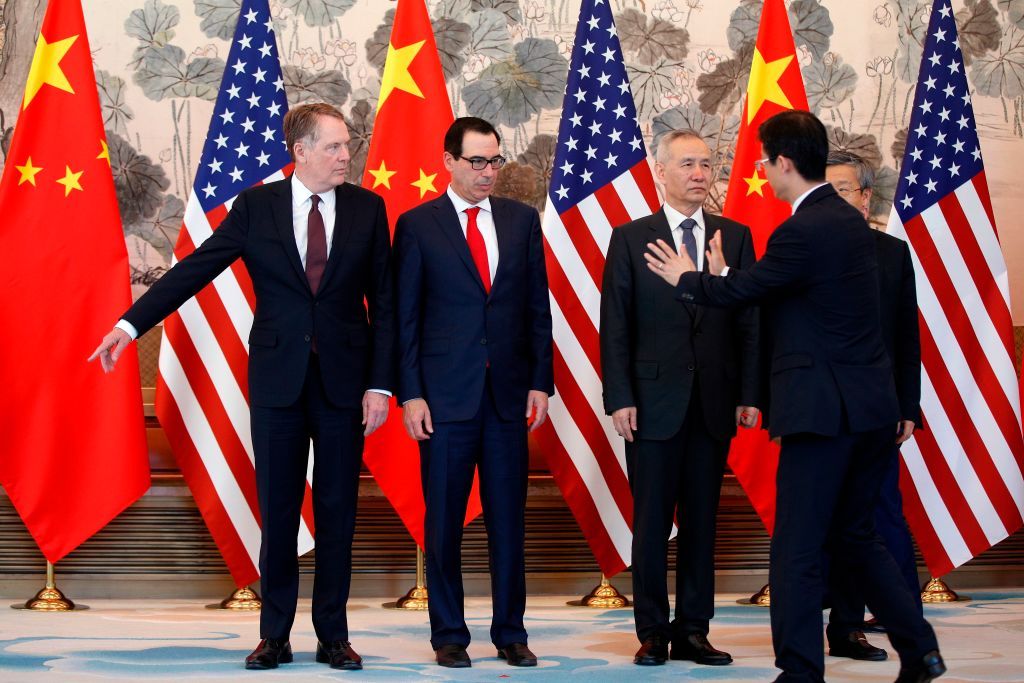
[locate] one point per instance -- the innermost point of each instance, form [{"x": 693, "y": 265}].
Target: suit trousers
[
  {"x": 684, "y": 473},
  {"x": 826, "y": 489},
  {"x": 448, "y": 460},
  {"x": 845, "y": 590},
  {"x": 281, "y": 438}
]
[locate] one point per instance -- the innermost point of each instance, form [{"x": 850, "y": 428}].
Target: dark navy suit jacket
[
  {"x": 352, "y": 314},
  {"x": 450, "y": 330},
  {"x": 818, "y": 281}
]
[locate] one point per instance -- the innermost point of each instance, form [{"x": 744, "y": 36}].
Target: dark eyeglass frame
[
  {"x": 480, "y": 163},
  {"x": 847, "y": 190}
]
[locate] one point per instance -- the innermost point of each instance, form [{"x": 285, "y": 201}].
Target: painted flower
[
  {"x": 343, "y": 50},
  {"x": 879, "y": 66},
  {"x": 707, "y": 60},
  {"x": 883, "y": 16},
  {"x": 307, "y": 58},
  {"x": 666, "y": 10},
  {"x": 535, "y": 11}
]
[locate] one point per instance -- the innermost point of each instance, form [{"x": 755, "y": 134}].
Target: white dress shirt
[
  {"x": 301, "y": 203},
  {"x": 484, "y": 222},
  {"x": 675, "y": 220}
]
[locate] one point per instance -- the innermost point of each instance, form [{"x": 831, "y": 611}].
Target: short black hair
[
  {"x": 800, "y": 137},
  {"x": 457, "y": 131}
]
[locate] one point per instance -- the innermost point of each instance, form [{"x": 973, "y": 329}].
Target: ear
[
  {"x": 659, "y": 172},
  {"x": 449, "y": 162}
]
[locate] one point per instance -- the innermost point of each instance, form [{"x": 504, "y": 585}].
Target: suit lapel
[
  {"x": 285, "y": 229},
  {"x": 448, "y": 220},
  {"x": 501, "y": 229},
  {"x": 342, "y": 231}
]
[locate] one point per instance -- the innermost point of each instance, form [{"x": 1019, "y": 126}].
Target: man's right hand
[
  {"x": 416, "y": 416},
  {"x": 111, "y": 348},
  {"x": 624, "y": 420}
]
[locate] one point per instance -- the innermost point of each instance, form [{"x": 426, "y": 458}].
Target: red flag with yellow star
[
  {"x": 73, "y": 448},
  {"x": 775, "y": 86},
  {"x": 405, "y": 166}
]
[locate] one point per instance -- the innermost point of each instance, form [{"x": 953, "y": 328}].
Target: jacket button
[
  {"x": 307, "y": 338},
  {"x": 483, "y": 341},
  {"x": 690, "y": 367}
]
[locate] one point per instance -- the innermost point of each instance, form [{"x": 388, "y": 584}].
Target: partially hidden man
[
  {"x": 321, "y": 363},
  {"x": 677, "y": 380},
  {"x": 475, "y": 362}
]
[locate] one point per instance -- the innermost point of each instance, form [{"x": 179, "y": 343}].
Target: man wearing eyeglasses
[
  {"x": 475, "y": 364},
  {"x": 853, "y": 178}
]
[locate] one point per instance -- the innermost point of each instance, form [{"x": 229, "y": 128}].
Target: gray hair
[
  {"x": 865, "y": 174},
  {"x": 668, "y": 137}
]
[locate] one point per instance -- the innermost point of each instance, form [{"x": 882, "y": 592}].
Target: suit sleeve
[
  {"x": 780, "y": 269},
  {"x": 409, "y": 302},
  {"x": 195, "y": 271},
  {"x": 380, "y": 304},
  {"x": 748, "y": 330},
  {"x": 539, "y": 309},
  {"x": 907, "y": 363},
  {"x": 616, "y": 300}
]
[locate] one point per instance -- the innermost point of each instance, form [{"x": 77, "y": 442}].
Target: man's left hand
[
  {"x": 746, "y": 416},
  {"x": 537, "y": 406},
  {"x": 665, "y": 261},
  {"x": 375, "y": 411},
  {"x": 904, "y": 430}
]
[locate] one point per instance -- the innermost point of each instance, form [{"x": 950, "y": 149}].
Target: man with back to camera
[
  {"x": 833, "y": 400},
  {"x": 677, "y": 380},
  {"x": 853, "y": 179},
  {"x": 321, "y": 363},
  {"x": 475, "y": 362}
]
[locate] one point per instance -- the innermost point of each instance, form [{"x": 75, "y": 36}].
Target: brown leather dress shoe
[
  {"x": 453, "y": 656},
  {"x": 339, "y": 654},
  {"x": 269, "y": 653},
  {"x": 696, "y": 648},
  {"x": 856, "y": 646},
  {"x": 927, "y": 669},
  {"x": 653, "y": 651},
  {"x": 517, "y": 654}
]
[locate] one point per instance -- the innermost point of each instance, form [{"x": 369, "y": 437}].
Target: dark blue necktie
[{"x": 689, "y": 241}]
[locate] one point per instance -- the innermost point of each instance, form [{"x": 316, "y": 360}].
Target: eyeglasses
[
  {"x": 848, "y": 190},
  {"x": 760, "y": 163},
  {"x": 480, "y": 163}
]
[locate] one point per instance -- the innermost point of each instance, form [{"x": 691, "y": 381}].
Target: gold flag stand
[
  {"x": 602, "y": 596},
  {"x": 937, "y": 591},
  {"x": 244, "y": 599},
  {"x": 50, "y": 598},
  {"x": 416, "y": 598},
  {"x": 761, "y": 598}
]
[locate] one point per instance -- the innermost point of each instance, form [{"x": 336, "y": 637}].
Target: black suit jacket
[
  {"x": 818, "y": 279},
  {"x": 652, "y": 347},
  {"x": 450, "y": 328},
  {"x": 355, "y": 340},
  {"x": 900, "y": 330}
]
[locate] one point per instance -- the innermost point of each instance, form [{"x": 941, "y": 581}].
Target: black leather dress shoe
[
  {"x": 339, "y": 654},
  {"x": 856, "y": 646},
  {"x": 517, "y": 654},
  {"x": 652, "y": 652},
  {"x": 927, "y": 669},
  {"x": 696, "y": 648},
  {"x": 873, "y": 625},
  {"x": 453, "y": 656},
  {"x": 269, "y": 653}
]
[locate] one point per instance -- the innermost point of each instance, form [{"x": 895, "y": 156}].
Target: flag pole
[
  {"x": 602, "y": 596},
  {"x": 416, "y": 598},
  {"x": 50, "y": 598},
  {"x": 762, "y": 598}
]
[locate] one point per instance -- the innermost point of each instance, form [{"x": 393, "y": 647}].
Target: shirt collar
[
  {"x": 675, "y": 218},
  {"x": 461, "y": 204},
  {"x": 301, "y": 193},
  {"x": 802, "y": 197}
]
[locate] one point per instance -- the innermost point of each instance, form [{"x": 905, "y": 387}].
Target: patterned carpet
[{"x": 140, "y": 640}]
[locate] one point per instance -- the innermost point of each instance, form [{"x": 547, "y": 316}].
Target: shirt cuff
[
  {"x": 128, "y": 328},
  {"x": 382, "y": 391},
  {"x": 725, "y": 271}
]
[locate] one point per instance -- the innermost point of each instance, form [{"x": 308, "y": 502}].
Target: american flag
[
  {"x": 962, "y": 481},
  {"x": 600, "y": 179},
  {"x": 202, "y": 397}
]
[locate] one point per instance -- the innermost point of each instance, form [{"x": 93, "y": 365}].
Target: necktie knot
[
  {"x": 315, "y": 199},
  {"x": 688, "y": 224},
  {"x": 472, "y": 212}
]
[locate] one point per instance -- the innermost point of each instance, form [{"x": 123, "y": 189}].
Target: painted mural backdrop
[{"x": 159, "y": 63}]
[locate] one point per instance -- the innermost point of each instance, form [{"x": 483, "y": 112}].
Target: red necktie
[
  {"x": 477, "y": 248},
  {"x": 316, "y": 245}
]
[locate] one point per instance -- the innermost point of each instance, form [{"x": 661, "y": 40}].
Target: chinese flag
[
  {"x": 72, "y": 444},
  {"x": 775, "y": 86},
  {"x": 405, "y": 166}
]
